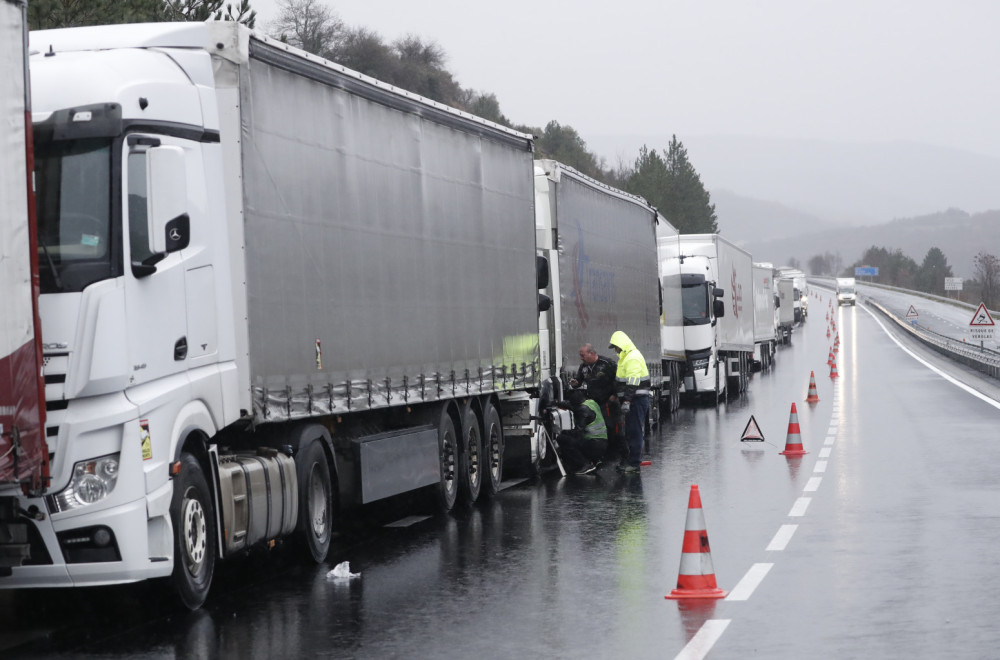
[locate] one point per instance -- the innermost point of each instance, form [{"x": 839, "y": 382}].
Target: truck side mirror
[
  {"x": 541, "y": 271},
  {"x": 718, "y": 293},
  {"x": 718, "y": 308},
  {"x": 544, "y": 303},
  {"x": 169, "y": 224}
]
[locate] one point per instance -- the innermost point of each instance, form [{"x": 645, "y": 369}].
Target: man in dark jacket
[{"x": 597, "y": 374}]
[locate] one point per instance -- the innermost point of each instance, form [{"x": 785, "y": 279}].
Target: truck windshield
[
  {"x": 73, "y": 181},
  {"x": 694, "y": 303}
]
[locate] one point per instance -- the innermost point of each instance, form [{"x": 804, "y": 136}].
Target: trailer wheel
[
  {"x": 194, "y": 534},
  {"x": 494, "y": 446},
  {"x": 315, "y": 524},
  {"x": 447, "y": 488},
  {"x": 471, "y": 457}
]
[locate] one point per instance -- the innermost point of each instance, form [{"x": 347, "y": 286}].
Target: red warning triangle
[
  {"x": 910, "y": 313},
  {"x": 752, "y": 432},
  {"x": 982, "y": 317}
]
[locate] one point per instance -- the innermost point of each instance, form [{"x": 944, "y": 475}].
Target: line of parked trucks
[{"x": 245, "y": 288}]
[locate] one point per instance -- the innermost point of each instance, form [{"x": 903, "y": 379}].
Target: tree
[
  {"x": 988, "y": 275},
  {"x": 671, "y": 184},
  {"x": 933, "y": 270},
  {"x": 564, "y": 144},
  {"x": 309, "y": 25},
  {"x": 825, "y": 264},
  {"x": 48, "y": 14}
]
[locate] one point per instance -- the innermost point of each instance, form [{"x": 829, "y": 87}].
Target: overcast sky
[{"x": 858, "y": 70}]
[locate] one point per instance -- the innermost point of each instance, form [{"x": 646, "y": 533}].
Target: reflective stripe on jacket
[{"x": 596, "y": 429}]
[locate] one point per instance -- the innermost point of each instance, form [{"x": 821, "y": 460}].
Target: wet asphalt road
[{"x": 880, "y": 542}]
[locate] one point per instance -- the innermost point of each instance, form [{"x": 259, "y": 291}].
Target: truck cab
[{"x": 846, "y": 291}]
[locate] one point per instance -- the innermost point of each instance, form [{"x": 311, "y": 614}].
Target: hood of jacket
[{"x": 621, "y": 340}]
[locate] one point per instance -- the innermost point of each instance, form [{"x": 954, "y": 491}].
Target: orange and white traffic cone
[
  {"x": 813, "y": 394},
  {"x": 793, "y": 441},
  {"x": 830, "y": 358},
  {"x": 696, "y": 578},
  {"x": 828, "y": 333},
  {"x": 833, "y": 369}
]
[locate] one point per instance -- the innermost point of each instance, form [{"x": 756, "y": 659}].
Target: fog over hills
[{"x": 783, "y": 198}]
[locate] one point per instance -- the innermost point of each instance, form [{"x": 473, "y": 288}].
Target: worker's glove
[{"x": 626, "y": 406}]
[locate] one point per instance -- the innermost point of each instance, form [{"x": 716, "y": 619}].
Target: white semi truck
[
  {"x": 787, "y": 299},
  {"x": 765, "y": 317},
  {"x": 600, "y": 244},
  {"x": 23, "y": 451},
  {"x": 717, "y": 308},
  {"x": 270, "y": 287}
]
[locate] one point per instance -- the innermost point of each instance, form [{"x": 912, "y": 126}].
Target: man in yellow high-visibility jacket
[{"x": 633, "y": 395}]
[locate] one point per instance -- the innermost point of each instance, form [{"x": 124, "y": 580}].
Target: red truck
[{"x": 23, "y": 451}]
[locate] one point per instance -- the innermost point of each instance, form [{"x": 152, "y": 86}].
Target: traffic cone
[
  {"x": 813, "y": 394},
  {"x": 830, "y": 358},
  {"x": 828, "y": 333},
  {"x": 696, "y": 578},
  {"x": 793, "y": 441},
  {"x": 833, "y": 370}
]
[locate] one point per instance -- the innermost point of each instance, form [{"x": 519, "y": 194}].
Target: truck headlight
[{"x": 92, "y": 481}]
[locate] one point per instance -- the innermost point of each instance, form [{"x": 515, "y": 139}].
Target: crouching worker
[{"x": 583, "y": 446}]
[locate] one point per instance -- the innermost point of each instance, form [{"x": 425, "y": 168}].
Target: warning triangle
[
  {"x": 910, "y": 313},
  {"x": 981, "y": 317},
  {"x": 752, "y": 432}
]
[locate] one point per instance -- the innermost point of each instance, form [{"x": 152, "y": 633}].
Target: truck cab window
[{"x": 138, "y": 215}]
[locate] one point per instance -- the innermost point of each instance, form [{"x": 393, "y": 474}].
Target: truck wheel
[
  {"x": 194, "y": 534},
  {"x": 471, "y": 457},
  {"x": 315, "y": 525},
  {"x": 447, "y": 488},
  {"x": 493, "y": 445}
]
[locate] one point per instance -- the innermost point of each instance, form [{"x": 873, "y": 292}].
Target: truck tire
[
  {"x": 471, "y": 457},
  {"x": 493, "y": 455},
  {"x": 447, "y": 488},
  {"x": 314, "y": 529},
  {"x": 193, "y": 521}
]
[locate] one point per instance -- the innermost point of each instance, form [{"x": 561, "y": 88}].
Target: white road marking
[
  {"x": 812, "y": 485},
  {"x": 830, "y": 439},
  {"x": 744, "y": 589},
  {"x": 950, "y": 379},
  {"x": 703, "y": 640},
  {"x": 825, "y": 452},
  {"x": 820, "y": 466},
  {"x": 781, "y": 539},
  {"x": 799, "y": 508}
]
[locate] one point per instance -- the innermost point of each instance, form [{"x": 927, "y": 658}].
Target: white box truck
[
  {"x": 23, "y": 450},
  {"x": 847, "y": 293},
  {"x": 717, "y": 309},
  {"x": 765, "y": 318},
  {"x": 270, "y": 287}
]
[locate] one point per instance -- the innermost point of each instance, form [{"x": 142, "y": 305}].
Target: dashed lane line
[
  {"x": 745, "y": 587},
  {"x": 799, "y": 508},
  {"x": 813, "y": 485},
  {"x": 781, "y": 539},
  {"x": 704, "y": 640}
]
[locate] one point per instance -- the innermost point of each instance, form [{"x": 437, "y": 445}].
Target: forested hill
[{"x": 958, "y": 234}]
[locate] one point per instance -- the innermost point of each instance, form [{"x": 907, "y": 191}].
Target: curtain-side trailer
[
  {"x": 23, "y": 449},
  {"x": 271, "y": 287}
]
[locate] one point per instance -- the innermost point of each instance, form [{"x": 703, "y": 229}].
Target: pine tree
[{"x": 671, "y": 184}]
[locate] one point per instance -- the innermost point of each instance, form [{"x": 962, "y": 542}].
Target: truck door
[{"x": 154, "y": 284}]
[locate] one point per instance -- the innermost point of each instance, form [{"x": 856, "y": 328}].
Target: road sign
[
  {"x": 866, "y": 271},
  {"x": 953, "y": 284},
  {"x": 911, "y": 313},
  {"x": 752, "y": 432},
  {"x": 981, "y": 326}
]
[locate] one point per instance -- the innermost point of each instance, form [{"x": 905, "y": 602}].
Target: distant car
[{"x": 846, "y": 292}]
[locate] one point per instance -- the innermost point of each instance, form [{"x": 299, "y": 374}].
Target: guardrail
[{"x": 981, "y": 359}]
